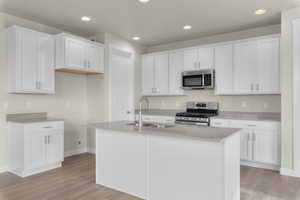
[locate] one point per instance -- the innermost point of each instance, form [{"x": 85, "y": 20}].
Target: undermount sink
[{"x": 151, "y": 125}]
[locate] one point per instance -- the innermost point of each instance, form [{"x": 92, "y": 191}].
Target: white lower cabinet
[
  {"x": 34, "y": 148},
  {"x": 260, "y": 141}
]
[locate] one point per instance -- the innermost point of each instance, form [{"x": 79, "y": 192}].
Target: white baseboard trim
[
  {"x": 91, "y": 150},
  {"x": 260, "y": 165},
  {"x": 289, "y": 172},
  {"x": 3, "y": 169},
  {"x": 75, "y": 152}
]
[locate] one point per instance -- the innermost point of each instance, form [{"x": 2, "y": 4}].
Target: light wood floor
[{"x": 75, "y": 181}]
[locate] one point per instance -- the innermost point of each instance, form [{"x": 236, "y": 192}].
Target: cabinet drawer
[
  {"x": 45, "y": 126},
  {"x": 255, "y": 125}
]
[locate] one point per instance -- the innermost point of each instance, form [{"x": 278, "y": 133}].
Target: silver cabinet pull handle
[
  {"x": 48, "y": 139},
  {"x": 45, "y": 140}
]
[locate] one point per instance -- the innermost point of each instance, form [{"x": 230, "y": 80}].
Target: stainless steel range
[{"x": 198, "y": 113}]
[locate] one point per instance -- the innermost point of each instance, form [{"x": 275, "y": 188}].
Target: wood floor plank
[{"x": 76, "y": 181}]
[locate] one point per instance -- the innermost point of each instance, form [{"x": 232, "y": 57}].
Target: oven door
[{"x": 192, "y": 81}]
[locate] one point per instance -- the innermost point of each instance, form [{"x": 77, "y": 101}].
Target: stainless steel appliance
[
  {"x": 201, "y": 79},
  {"x": 198, "y": 113}
]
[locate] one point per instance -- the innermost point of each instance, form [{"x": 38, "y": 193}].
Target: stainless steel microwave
[{"x": 200, "y": 79}]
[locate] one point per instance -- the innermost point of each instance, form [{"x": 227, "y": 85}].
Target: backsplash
[{"x": 249, "y": 103}]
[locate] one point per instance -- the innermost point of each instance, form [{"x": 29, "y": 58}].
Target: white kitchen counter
[
  {"x": 181, "y": 162},
  {"x": 202, "y": 133}
]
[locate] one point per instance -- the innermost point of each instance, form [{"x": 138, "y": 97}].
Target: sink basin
[{"x": 151, "y": 125}]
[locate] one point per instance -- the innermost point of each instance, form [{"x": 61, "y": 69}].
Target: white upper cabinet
[
  {"x": 74, "y": 54},
  {"x": 245, "y": 67},
  {"x": 206, "y": 57},
  {"x": 30, "y": 61},
  {"x": 155, "y": 73},
  {"x": 161, "y": 70},
  {"x": 269, "y": 66},
  {"x": 224, "y": 69},
  {"x": 148, "y": 74},
  {"x": 190, "y": 59},
  {"x": 95, "y": 58},
  {"x": 175, "y": 69},
  {"x": 198, "y": 58},
  {"x": 248, "y": 67}
]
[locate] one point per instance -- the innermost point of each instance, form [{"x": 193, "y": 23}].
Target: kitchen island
[{"x": 174, "y": 163}]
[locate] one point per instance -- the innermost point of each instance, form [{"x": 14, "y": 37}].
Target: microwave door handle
[{"x": 203, "y": 81}]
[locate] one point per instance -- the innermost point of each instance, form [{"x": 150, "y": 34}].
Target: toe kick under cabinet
[
  {"x": 260, "y": 141},
  {"x": 35, "y": 147}
]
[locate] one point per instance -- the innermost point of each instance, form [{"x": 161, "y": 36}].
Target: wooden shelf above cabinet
[{"x": 72, "y": 71}]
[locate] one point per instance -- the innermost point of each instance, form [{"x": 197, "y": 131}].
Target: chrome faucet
[{"x": 143, "y": 98}]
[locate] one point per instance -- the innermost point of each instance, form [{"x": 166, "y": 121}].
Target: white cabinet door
[
  {"x": 224, "y": 69},
  {"x": 75, "y": 52},
  {"x": 175, "y": 70},
  {"x": 95, "y": 61},
  {"x": 46, "y": 69},
  {"x": 191, "y": 59},
  {"x": 54, "y": 149},
  {"x": 148, "y": 74},
  {"x": 206, "y": 58},
  {"x": 269, "y": 67},
  {"x": 35, "y": 150},
  {"x": 28, "y": 52},
  {"x": 245, "y": 67},
  {"x": 266, "y": 147},
  {"x": 245, "y": 145},
  {"x": 161, "y": 75},
  {"x": 122, "y": 162}
]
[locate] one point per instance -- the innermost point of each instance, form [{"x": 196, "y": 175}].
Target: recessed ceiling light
[
  {"x": 144, "y": 1},
  {"x": 187, "y": 27},
  {"x": 86, "y": 19},
  {"x": 136, "y": 38},
  {"x": 260, "y": 11}
]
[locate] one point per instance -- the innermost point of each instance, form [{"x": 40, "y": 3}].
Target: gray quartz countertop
[
  {"x": 201, "y": 133},
  {"x": 28, "y": 118},
  {"x": 37, "y": 120},
  {"x": 249, "y": 116},
  {"x": 160, "y": 112}
]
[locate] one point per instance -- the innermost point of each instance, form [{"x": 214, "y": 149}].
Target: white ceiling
[{"x": 157, "y": 22}]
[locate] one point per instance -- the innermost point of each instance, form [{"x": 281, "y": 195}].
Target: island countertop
[{"x": 202, "y": 133}]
